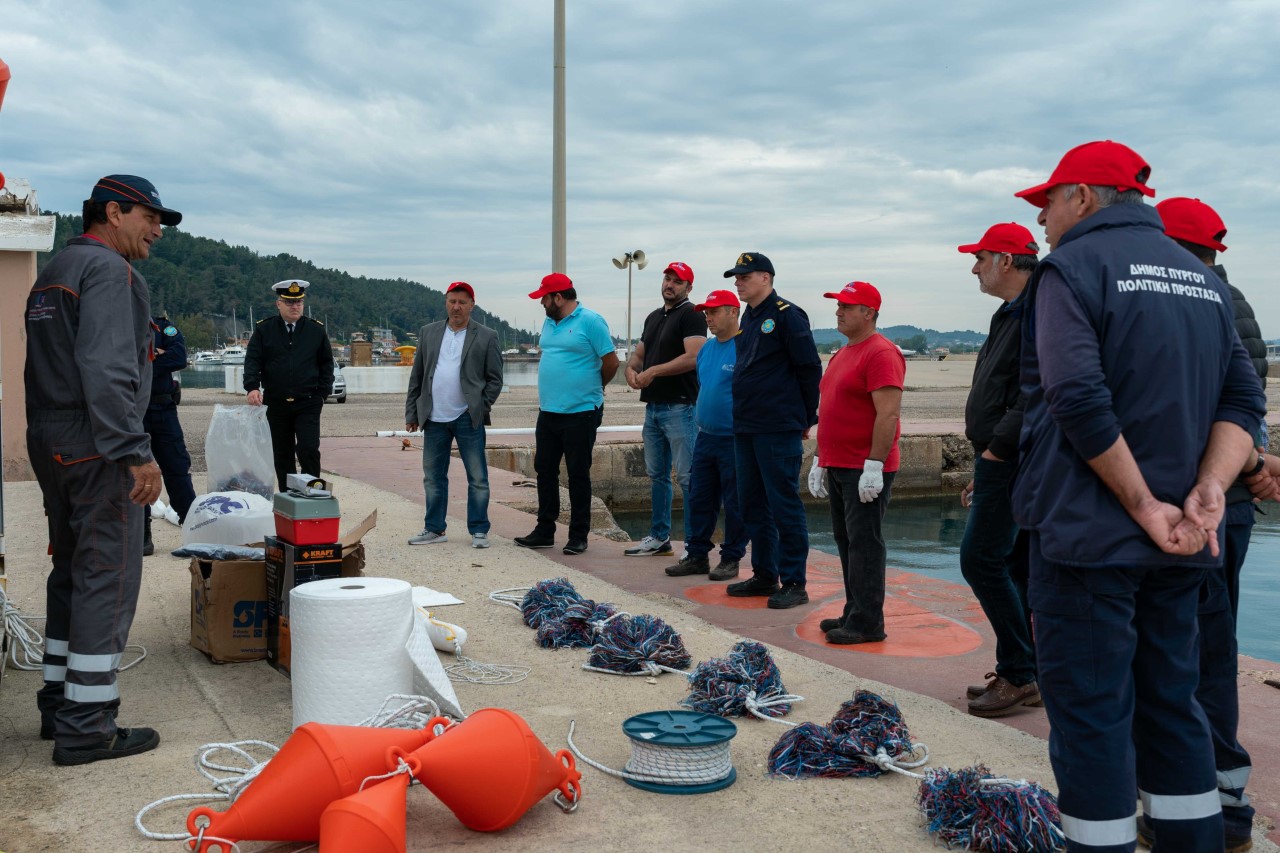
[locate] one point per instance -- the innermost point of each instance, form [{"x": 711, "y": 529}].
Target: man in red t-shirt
[{"x": 858, "y": 430}]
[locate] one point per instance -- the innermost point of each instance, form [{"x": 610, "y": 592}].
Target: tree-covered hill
[{"x": 207, "y": 288}]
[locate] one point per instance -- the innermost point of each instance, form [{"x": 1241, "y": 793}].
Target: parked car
[{"x": 339, "y": 394}]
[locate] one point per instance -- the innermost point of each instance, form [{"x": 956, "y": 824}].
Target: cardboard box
[
  {"x": 289, "y": 565},
  {"x": 229, "y": 600}
]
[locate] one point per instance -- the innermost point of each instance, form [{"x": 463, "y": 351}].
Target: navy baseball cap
[
  {"x": 131, "y": 188},
  {"x": 750, "y": 262}
]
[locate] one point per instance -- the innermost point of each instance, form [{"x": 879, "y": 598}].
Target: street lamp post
[{"x": 625, "y": 261}]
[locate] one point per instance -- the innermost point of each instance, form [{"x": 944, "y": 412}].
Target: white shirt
[{"x": 447, "y": 402}]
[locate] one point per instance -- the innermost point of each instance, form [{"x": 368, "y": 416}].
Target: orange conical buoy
[
  {"x": 318, "y": 764},
  {"x": 372, "y": 820},
  {"x": 491, "y": 768}
]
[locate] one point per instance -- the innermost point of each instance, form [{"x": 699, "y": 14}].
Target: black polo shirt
[{"x": 663, "y": 338}]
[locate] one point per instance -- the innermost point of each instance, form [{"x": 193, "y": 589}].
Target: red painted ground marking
[
  {"x": 911, "y": 631},
  {"x": 713, "y": 593}
]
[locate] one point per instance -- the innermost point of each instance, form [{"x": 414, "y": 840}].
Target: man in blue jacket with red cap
[{"x": 1140, "y": 401}]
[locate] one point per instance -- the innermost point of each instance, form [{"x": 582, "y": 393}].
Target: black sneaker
[
  {"x": 755, "y": 586},
  {"x": 575, "y": 546},
  {"x": 725, "y": 570},
  {"x": 126, "y": 742},
  {"x": 845, "y": 637},
  {"x": 829, "y": 625},
  {"x": 536, "y": 540},
  {"x": 791, "y": 595},
  {"x": 690, "y": 565}
]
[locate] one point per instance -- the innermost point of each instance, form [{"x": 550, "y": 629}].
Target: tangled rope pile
[
  {"x": 745, "y": 682},
  {"x": 973, "y": 809},
  {"x": 638, "y": 645},
  {"x": 866, "y": 737}
]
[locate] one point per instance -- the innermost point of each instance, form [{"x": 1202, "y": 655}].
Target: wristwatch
[{"x": 1257, "y": 469}]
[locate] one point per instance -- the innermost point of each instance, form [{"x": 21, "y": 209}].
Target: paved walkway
[{"x": 938, "y": 638}]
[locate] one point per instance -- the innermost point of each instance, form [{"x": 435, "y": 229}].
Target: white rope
[
  {"x": 414, "y": 712},
  {"x": 401, "y": 767},
  {"x": 27, "y": 649},
  {"x": 898, "y": 762},
  {"x": 667, "y": 765},
  {"x": 508, "y": 598},
  {"x": 755, "y": 706},
  {"x": 651, "y": 669},
  {"x": 473, "y": 672}
]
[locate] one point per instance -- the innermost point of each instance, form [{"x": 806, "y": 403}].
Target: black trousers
[
  {"x": 570, "y": 437},
  {"x": 295, "y": 431}
]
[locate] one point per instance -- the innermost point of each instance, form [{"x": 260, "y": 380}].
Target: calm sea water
[
  {"x": 516, "y": 373},
  {"x": 923, "y": 535}
]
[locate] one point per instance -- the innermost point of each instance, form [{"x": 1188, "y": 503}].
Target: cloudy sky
[{"x": 844, "y": 139}]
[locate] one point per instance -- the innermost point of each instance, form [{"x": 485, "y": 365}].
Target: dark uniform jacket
[
  {"x": 1145, "y": 346},
  {"x": 286, "y": 370},
  {"x": 993, "y": 413},
  {"x": 174, "y": 357},
  {"x": 89, "y": 347},
  {"x": 1251, "y": 338},
  {"x": 775, "y": 382}
]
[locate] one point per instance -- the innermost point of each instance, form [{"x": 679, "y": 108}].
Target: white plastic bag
[
  {"x": 228, "y": 518},
  {"x": 237, "y": 451}
]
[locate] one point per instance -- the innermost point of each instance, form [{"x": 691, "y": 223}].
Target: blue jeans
[
  {"x": 856, "y": 528},
  {"x": 994, "y": 570},
  {"x": 768, "y": 466},
  {"x": 437, "y": 439},
  {"x": 1116, "y": 649},
  {"x": 713, "y": 480},
  {"x": 669, "y": 433}
]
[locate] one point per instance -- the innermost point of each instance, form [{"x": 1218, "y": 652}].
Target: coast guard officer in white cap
[{"x": 289, "y": 366}]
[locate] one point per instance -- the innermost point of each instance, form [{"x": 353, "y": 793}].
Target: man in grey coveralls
[{"x": 88, "y": 383}]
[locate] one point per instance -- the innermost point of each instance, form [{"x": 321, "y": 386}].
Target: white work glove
[
  {"x": 817, "y": 480},
  {"x": 871, "y": 483}
]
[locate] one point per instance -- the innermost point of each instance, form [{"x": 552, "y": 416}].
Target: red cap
[
  {"x": 1192, "y": 220},
  {"x": 462, "y": 285},
  {"x": 1007, "y": 238},
  {"x": 857, "y": 293},
  {"x": 716, "y": 298},
  {"x": 682, "y": 271},
  {"x": 553, "y": 283},
  {"x": 1099, "y": 164}
]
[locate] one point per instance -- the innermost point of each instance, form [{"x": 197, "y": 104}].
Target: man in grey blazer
[{"x": 456, "y": 377}]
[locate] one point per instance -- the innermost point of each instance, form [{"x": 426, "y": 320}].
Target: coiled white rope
[
  {"x": 508, "y": 598},
  {"x": 898, "y": 763},
  {"x": 473, "y": 672},
  {"x": 27, "y": 650},
  {"x": 667, "y": 765},
  {"x": 414, "y": 712},
  {"x": 755, "y": 706}
]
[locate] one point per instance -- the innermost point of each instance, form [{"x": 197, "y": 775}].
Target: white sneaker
[
  {"x": 480, "y": 540},
  {"x": 427, "y": 537},
  {"x": 649, "y": 547}
]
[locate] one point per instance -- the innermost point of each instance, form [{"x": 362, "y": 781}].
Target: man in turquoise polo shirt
[{"x": 578, "y": 360}]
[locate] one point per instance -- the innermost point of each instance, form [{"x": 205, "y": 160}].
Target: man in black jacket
[
  {"x": 989, "y": 559},
  {"x": 1197, "y": 227},
  {"x": 290, "y": 357}
]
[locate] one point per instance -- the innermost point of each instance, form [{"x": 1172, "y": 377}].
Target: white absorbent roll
[{"x": 349, "y": 654}]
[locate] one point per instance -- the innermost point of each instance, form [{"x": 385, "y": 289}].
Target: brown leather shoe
[
  {"x": 976, "y": 690},
  {"x": 1004, "y": 698}
]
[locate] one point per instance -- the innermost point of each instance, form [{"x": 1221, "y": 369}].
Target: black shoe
[
  {"x": 125, "y": 743},
  {"x": 689, "y": 566},
  {"x": 575, "y": 546},
  {"x": 536, "y": 540},
  {"x": 755, "y": 586},
  {"x": 1231, "y": 843},
  {"x": 791, "y": 595},
  {"x": 845, "y": 637},
  {"x": 725, "y": 570},
  {"x": 829, "y": 625},
  {"x": 148, "y": 547}
]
